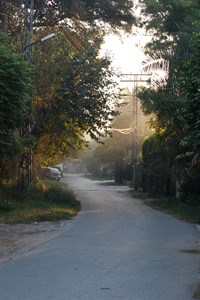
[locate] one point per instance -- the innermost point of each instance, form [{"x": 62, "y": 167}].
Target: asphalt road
[{"x": 117, "y": 248}]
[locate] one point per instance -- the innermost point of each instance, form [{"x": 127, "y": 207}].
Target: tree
[
  {"x": 117, "y": 13},
  {"x": 188, "y": 155},
  {"x": 82, "y": 101},
  {"x": 66, "y": 103},
  {"x": 168, "y": 101},
  {"x": 15, "y": 85},
  {"x": 189, "y": 114},
  {"x": 155, "y": 177}
]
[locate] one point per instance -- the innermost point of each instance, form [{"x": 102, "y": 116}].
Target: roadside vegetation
[
  {"x": 49, "y": 201},
  {"x": 51, "y": 96},
  {"x": 69, "y": 92},
  {"x": 165, "y": 161},
  {"x": 176, "y": 208}
]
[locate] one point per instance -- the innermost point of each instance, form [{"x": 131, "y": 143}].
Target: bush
[
  {"x": 54, "y": 203},
  {"x": 190, "y": 188},
  {"x": 5, "y": 205},
  {"x": 61, "y": 196}
]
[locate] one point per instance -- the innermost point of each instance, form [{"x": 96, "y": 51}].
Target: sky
[{"x": 126, "y": 52}]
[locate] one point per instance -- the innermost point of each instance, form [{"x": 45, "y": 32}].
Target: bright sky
[
  {"x": 127, "y": 56},
  {"x": 128, "y": 51}
]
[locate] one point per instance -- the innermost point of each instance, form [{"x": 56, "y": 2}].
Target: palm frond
[{"x": 153, "y": 63}]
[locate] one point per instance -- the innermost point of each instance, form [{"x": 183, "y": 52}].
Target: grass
[
  {"x": 50, "y": 201},
  {"x": 196, "y": 293},
  {"x": 171, "y": 206},
  {"x": 176, "y": 208}
]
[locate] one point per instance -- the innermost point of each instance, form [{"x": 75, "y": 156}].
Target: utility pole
[
  {"x": 5, "y": 17},
  {"x": 135, "y": 78},
  {"x": 26, "y": 163},
  {"x": 28, "y": 29}
]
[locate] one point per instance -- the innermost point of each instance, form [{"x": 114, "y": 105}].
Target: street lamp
[
  {"x": 45, "y": 38},
  {"x": 27, "y": 160}
]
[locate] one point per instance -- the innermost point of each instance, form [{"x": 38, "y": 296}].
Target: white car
[{"x": 51, "y": 173}]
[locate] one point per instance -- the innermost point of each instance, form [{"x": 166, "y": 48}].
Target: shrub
[
  {"x": 61, "y": 196},
  {"x": 190, "y": 188},
  {"x": 5, "y": 205}
]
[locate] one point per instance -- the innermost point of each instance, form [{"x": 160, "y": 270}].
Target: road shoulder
[{"x": 20, "y": 238}]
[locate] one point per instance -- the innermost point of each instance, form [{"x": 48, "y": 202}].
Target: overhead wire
[
  {"x": 64, "y": 31},
  {"x": 124, "y": 130},
  {"x": 73, "y": 41},
  {"x": 127, "y": 131}
]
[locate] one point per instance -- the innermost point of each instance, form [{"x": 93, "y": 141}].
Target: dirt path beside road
[{"x": 19, "y": 238}]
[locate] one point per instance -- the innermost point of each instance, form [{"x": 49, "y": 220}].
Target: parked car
[
  {"x": 51, "y": 173},
  {"x": 59, "y": 169}
]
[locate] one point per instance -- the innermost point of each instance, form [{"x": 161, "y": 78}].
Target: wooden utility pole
[
  {"x": 135, "y": 78},
  {"x": 26, "y": 163},
  {"x": 28, "y": 28}
]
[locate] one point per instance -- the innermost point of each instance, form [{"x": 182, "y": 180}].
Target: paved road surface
[{"x": 116, "y": 249}]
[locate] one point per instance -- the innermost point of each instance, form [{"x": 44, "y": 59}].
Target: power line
[
  {"x": 135, "y": 78},
  {"x": 70, "y": 39}
]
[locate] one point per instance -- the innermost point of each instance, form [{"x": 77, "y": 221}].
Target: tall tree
[
  {"x": 117, "y": 13},
  {"x": 15, "y": 85},
  {"x": 80, "y": 101},
  {"x": 59, "y": 83},
  {"x": 169, "y": 43},
  {"x": 189, "y": 115}
]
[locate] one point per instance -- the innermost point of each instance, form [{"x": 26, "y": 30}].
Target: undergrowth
[
  {"x": 176, "y": 208},
  {"x": 49, "y": 201}
]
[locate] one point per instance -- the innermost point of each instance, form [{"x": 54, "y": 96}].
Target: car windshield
[{"x": 55, "y": 171}]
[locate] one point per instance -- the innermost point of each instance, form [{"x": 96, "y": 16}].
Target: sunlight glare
[{"x": 126, "y": 52}]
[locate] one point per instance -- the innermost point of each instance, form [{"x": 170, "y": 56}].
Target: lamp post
[
  {"x": 26, "y": 162},
  {"x": 45, "y": 38}
]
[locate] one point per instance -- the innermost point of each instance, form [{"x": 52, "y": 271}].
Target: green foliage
[
  {"x": 50, "y": 214},
  {"x": 15, "y": 88},
  {"x": 55, "y": 202},
  {"x": 81, "y": 101},
  {"x": 175, "y": 102},
  {"x": 177, "y": 209},
  {"x": 15, "y": 84},
  {"x": 87, "y": 93},
  {"x": 190, "y": 189},
  {"x": 57, "y": 133},
  {"x": 5, "y": 205},
  {"x": 116, "y": 13},
  {"x": 154, "y": 166},
  {"x": 189, "y": 115},
  {"x": 61, "y": 197},
  {"x": 11, "y": 21}
]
